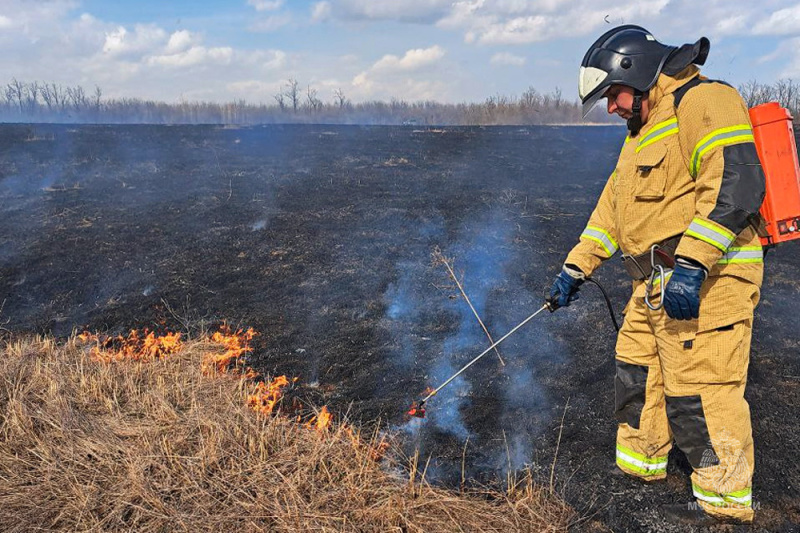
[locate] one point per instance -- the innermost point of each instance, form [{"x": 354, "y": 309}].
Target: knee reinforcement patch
[
  {"x": 688, "y": 423},
  {"x": 630, "y": 383}
]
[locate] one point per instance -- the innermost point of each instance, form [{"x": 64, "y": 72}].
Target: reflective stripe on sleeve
[
  {"x": 742, "y": 497},
  {"x": 714, "y": 235},
  {"x": 723, "y": 136},
  {"x": 743, "y": 254},
  {"x": 642, "y": 465},
  {"x": 659, "y": 131},
  {"x": 602, "y": 237},
  {"x": 667, "y": 276}
]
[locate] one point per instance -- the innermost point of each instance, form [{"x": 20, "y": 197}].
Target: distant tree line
[
  {"x": 785, "y": 92},
  {"x": 51, "y": 102}
]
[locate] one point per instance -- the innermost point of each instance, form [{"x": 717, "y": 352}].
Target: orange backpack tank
[{"x": 775, "y": 144}]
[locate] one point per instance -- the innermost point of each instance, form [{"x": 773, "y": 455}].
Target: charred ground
[{"x": 321, "y": 238}]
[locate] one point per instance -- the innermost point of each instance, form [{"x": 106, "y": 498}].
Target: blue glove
[
  {"x": 565, "y": 287},
  {"x": 682, "y": 294}
]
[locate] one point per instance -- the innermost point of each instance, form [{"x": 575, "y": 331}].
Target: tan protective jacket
[{"x": 693, "y": 171}]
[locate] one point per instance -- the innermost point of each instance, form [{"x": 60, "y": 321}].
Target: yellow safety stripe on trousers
[
  {"x": 742, "y": 497},
  {"x": 642, "y": 465},
  {"x": 602, "y": 237},
  {"x": 742, "y": 254},
  {"x": 659, "y": 131},
  {"x": 712, "y": 234},
  {"x": 722, "y": 136}
]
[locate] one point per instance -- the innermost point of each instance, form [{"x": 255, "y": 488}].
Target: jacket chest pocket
[{"x": 651, "y": 173}]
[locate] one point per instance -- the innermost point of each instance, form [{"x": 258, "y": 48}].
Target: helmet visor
[
  {"x": 592, "y": 85},
  {"x": 590, "y": 102}
]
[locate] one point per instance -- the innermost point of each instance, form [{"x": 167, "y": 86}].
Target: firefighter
[{"x": 682, "y": 207}]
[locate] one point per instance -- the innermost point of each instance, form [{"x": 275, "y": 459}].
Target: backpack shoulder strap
[
  {"x": 681, "y": 91},
  {"x": 757, "y": 221}
]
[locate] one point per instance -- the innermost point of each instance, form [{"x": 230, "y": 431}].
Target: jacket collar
[{"x": 667, "y": 85}]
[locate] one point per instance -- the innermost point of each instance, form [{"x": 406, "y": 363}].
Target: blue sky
[{"x": 445, "y": 50}]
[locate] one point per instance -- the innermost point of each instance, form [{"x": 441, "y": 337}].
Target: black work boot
[{"x": 692, "y": 514}]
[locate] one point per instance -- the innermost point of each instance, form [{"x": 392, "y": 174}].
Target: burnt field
[{"x": 323, "y": 239}]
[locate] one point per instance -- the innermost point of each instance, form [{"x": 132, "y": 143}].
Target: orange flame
[
  {"x": 322, "y": 421},
  {"x": 134, "y": 347},
  {"x": 236, "y": 345},
  {"x": 266, "y": 395}
]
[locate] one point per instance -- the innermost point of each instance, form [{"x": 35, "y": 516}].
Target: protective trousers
[{"x": 685, "y": 380}]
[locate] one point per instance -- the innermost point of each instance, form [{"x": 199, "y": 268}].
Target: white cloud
[
  {"x": 418, "y": 11},
  {"x": 180, "y": 41},
  {"x": 519, "y": 22},
  {"x": 394, "y": 76},
  {"x": 195, "y": 55},
  {"x": 733, "y": 24},
  {"x": 412, "y": 60},
  {"x": 781, "y": 22},
  {"x": 123, "y": 43},
  {"x": 265, "y": 59},
  {"x": 363, "y": 81},
  {"x": 789, "y": 50},
  {"x": 271, "y": 23},
  {"x": 507, "y": 58},
  {"x": 519, "y": 30},
  {"x": 266, "y": 5},
  {"x": 321, "y": 11},
  {"x": 5, "y": 22},
  {"x": 51, "y": 41}
]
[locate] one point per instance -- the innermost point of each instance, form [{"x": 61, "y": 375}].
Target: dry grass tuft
[{"x": 159, "y": 446}]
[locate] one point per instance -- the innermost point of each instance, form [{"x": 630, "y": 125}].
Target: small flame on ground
[
  {"x": 263, "y": 399},
  {"x": 135, "y": 347},
  {"x": 236, "y": 344},
  {"x": 322, "y": 421},
  {"x": 266, "y": 395}
]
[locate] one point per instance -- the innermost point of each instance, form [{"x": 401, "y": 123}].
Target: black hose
[{"x": 608, "y": 302}]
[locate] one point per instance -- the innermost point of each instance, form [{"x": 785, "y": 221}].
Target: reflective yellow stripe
[
  {"x": 742, "y": 254},
  {"x": 659, "y": 131},
  {"x": 742, "y": 497},
  {"x": 712, "y": 234},
  {"x": 602, "y": 237},
  {"x": 722, "y": 136},
  {"x": 657, "y": 280},
  {"x": 642, "y": 465}
]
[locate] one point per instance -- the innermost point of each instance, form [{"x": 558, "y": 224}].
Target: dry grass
[{"x": 158, "y": 446}]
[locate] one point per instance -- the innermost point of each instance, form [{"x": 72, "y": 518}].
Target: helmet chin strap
[{"x": 635, "y": 122}]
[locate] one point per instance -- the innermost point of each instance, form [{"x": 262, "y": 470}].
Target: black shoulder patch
[
  {"x": 681, "y": 91},
  {"x": 742, "y": 189}
]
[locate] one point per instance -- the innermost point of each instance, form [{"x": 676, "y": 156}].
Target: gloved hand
[
  {"x": 565, "y": 287},
  {"x": 682, "y": 294}
]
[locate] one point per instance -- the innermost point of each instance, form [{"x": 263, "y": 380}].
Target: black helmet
[{"x": 629, "y": 55}]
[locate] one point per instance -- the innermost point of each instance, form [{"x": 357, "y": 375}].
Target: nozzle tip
[{"x": 417, "y": 410}]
